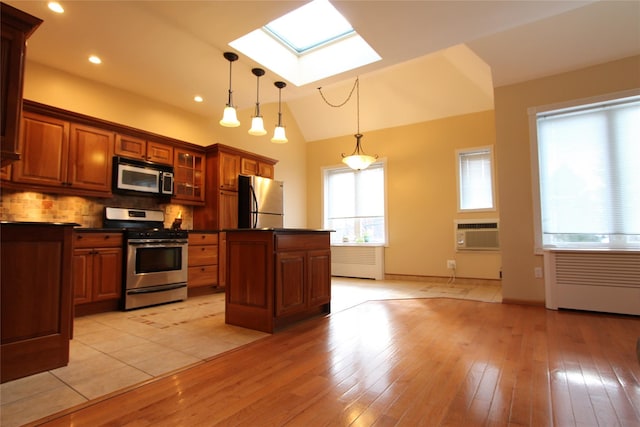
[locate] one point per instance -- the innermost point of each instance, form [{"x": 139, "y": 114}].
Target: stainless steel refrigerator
[{"x": 260, "y": 202}]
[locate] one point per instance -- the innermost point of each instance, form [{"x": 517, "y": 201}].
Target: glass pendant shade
[
  {"x": 279, "y": 136},
  {"x": 257, "y": 127},
  {"x": 257, "y": 124},
  {"x": 229, "y": 118},
  {"x": 358, "y": 160}
]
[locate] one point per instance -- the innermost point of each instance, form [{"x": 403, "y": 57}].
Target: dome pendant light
[
  {"x": 229, "y": 117},
  {"x": 279, "y": 136},
  {"x": 358, "y": 160},
  {"x": 257, "y": 124}
]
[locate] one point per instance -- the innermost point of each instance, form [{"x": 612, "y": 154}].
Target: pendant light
[
  {"x": 358, "y": 160},
  {"x": 257, "y": 124},
  {"x": 229, "y": 117},
  {"x": 279, "y": 136}
]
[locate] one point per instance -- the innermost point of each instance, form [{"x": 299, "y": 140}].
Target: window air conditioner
[{"x": 477, "y": 235}]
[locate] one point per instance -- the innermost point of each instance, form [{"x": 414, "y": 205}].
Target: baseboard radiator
[
  {"x": 366, "y": 262},
  {"x": 595, "y": 281}
]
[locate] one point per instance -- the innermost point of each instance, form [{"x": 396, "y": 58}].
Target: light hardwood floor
[{"x": 408, "y": 362}]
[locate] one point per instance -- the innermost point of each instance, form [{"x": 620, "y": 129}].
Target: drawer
[
  {"x": 202, "y": 275},
  {"x": 297, "y": 241},
  {"x": 203, "y": 238},
  {"x": 97, "y": 240},
  {"x": 203, "y": 255}
]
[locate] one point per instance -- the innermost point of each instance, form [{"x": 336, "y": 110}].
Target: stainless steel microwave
[{"x": 132, "y": 176}]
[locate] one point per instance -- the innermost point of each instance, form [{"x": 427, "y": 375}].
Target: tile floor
[{"x": 116, "y": 350}]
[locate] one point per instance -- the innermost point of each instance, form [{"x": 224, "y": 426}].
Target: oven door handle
[
  {"x": 154, "y": 289},
  {"x": 157, "y": 243}
]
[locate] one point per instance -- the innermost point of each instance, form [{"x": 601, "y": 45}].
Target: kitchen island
[
  {"x": 276, "y": 277},
  {"x": 36, "y": 309}
]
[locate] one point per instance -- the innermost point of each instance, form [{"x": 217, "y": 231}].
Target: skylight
[
  {"x": 307, "y": 44},
  {"x": 312, "y": 25}
]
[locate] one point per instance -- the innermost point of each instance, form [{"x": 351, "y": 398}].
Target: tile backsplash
[{"x": 86, "y": 211}]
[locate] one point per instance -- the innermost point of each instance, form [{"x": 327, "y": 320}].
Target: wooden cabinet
[
  {"x": 56, "y": 153},
  {"x": 90, "y": 158},
  {"x": 256, "y": 167},
  {"x": 36, "y": 305},
  {"x": 203, "y": 260},
  {"x": 16, "y": 27},
  {"x": 97, "y": 271},
  {"x": 150, "y": 151},
  {"x": 228, "y": 208},
  {"x": 229, "y": 170},
  {"x": 189, "y": 176},
  {"x": 224, "y": 164},
  {"x": 275, "y": 278},
  {"x": 45, "y": 151}
]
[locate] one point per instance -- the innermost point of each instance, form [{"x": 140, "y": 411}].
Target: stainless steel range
[{"x": 156, "y": 258}]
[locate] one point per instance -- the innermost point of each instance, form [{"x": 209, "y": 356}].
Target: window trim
[
  {"x": 533, "y": 112},
  {"x": 323, "y": 189},
  {"x": 494, "y": 199}
]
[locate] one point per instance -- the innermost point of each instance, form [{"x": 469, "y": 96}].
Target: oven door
[{"x": 155, "y": 263}]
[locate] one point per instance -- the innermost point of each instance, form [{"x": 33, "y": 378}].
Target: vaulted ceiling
[{"x": 439, "y": 58}]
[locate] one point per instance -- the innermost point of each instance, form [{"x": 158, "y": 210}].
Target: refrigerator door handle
[{"x": 254, "y": 207}]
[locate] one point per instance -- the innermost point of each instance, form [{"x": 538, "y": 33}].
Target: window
[
  {"x": 355, "y": 205},
  {"x": 475, "y": 179},
  {"x": 589, "y": 175},
  {"x": 314, "y": 24}
]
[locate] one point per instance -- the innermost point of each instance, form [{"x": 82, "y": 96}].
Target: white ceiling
[{"x": 440, "y": 58}]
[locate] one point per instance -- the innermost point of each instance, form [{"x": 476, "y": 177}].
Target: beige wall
[
  {"x": 514, "y": 173},
  {"x": 63, "y": 90},
  {"x": 422, "y": 201}
]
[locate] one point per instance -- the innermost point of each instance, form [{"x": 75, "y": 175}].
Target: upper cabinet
[
  {"x": 188, "y": 176},
  {"x": 256, "y": 167},
  {"x": 70, "y": 153},
  {"x": 150, "y": 151},
  {"x": 17, "y": 26},
  {"x": 62, "y": 154},
  {"x": 228, "y": 170}
]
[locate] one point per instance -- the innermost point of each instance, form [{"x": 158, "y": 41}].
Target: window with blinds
[
  {"x": 354, "y": 204},
  {"x": 589, "y": 175},
  {"x": 475, "y": 179}
]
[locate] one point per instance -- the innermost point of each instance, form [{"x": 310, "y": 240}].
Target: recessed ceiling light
[
  {"x": 56, "y": 7},
  {"x": 198, "y": 98},
  {"x": 95, "y": 60}
]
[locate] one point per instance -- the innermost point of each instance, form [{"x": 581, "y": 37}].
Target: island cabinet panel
[
  {"x": 277, "y": 277},
  {"x": 319, "y": 276},
  {"x": 36, "y": 304},
  {"x": 290, "y": 283}
]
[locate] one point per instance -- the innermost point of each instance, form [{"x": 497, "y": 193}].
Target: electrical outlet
[
  {"x": 451, "y": 264},
  {"x": 537, "y": 272}
]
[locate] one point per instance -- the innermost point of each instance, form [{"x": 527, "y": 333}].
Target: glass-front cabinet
[{"x": 189, "y": 176}]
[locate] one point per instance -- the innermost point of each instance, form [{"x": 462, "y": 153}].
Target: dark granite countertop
[
  {"x": 32, "y": 223},
  {"x": 280, "y": 230}
]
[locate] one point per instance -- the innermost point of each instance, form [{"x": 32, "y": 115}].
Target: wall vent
[
  {"x": 477, "y": 236},
  {"x": 366, "y": 262}
]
